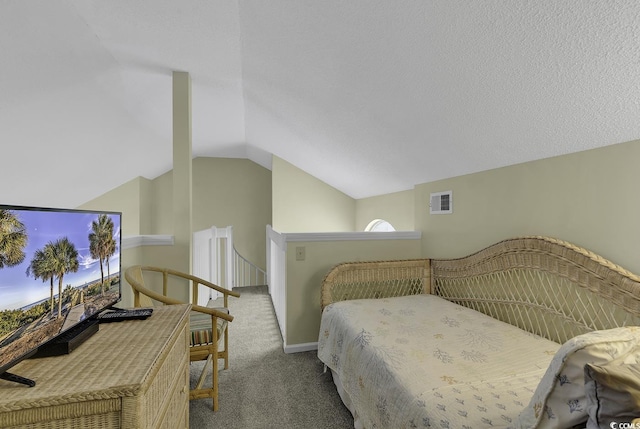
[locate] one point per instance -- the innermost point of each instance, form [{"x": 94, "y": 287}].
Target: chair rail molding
[{"x": 131, "y": 241}]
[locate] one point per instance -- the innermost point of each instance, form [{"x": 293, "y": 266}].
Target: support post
[{"x": 182, "y": 170}]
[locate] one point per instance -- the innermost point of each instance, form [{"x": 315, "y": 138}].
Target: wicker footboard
[{"x": 382, "y": 279}]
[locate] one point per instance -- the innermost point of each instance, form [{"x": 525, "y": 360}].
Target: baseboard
[{"x": 299, "y": 348}]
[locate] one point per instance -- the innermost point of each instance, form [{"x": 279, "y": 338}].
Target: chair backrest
[
  {"x": 144, "y": 296},
  {"x": 135, "y": 278}
]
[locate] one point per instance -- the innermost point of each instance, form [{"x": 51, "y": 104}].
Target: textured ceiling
[{"x": 370, "y": 96}]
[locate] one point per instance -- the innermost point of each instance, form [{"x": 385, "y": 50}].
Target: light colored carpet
[{"x": 265, "y": 387}]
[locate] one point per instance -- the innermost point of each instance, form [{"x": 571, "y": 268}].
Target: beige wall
[
  {"x": 302, "y": 203},
  {"x": 129, "y": 257},
  {"x": 161, "y": 205},
  {"x": 305, "y": 277},
  {"x": 589, "y": 198},
  {"x": 132, "y": 199},
  {"x": 396, "y": 208},
  {"x": 234, "y": 192},
  {"x": 226, "y": 192}
]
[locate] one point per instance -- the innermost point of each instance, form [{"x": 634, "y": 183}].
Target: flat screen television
[{"x": 59, "y": 269}]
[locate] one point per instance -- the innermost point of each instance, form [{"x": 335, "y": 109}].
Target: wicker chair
[{"x": 205, "y": 341}]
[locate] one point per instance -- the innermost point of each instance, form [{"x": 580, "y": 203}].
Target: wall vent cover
[{"x": 441, "y": 202}]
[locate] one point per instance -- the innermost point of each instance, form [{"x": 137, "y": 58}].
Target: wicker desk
[{"x": 132, "y": 374}]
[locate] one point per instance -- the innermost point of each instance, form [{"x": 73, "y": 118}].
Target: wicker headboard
[{"x": 546, "y": 286}]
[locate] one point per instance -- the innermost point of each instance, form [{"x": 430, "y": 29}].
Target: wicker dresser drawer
[
  {"x": 132, "y": 374},
  {"x": 168, "y": 388}
]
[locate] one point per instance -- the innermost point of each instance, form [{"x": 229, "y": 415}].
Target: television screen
[{"x": 58, "y": 268}]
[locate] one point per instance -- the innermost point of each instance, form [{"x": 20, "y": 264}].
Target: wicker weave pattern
[
  {"x": 543, "y": 285},
  {"x": 169, "y": 375},
  {"x": 121, "y": 377},
  {"x": 107, "y": 410},
  {"x": 383, "y": 279}
]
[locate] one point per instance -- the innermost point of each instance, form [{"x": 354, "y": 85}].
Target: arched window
[{"x": 379, "y": 225}]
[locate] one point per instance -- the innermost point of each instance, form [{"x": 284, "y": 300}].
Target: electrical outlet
[{"x": 300, "y": 253}]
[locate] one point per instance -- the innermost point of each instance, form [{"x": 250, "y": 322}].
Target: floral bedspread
[{"x": 421, "y": 361}]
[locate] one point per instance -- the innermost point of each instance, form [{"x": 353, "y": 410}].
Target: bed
[{"x": 517, "y": 335}]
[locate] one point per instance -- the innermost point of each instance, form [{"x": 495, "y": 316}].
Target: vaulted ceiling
[{"x": 370, "y": 96}]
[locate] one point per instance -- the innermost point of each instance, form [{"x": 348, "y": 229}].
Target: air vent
[{"x": 441, "y": 202}]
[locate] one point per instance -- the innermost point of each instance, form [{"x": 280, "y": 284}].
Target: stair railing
[{"x": 247, "y": 273}]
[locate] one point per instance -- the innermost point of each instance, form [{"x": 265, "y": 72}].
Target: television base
[
  {"x": 68, "y": 341},
  {"x": 17, "y": 379}
]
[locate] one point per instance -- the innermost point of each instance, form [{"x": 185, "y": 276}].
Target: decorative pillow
[
  {"x": 559, "y": 400},
  {"x": 613, "y": 394}
]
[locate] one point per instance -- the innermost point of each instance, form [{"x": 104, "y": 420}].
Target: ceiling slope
[
  {"x": 376, "y": 96},
  {"x": 369, "y": 96}
]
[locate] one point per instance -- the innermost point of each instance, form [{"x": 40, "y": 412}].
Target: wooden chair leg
[
  {"x": 200, "y": 392},
  {"x": 226, "y": 348},
  {"x": 214, "y": 377},
  {"x": 203, "y": 374}
]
